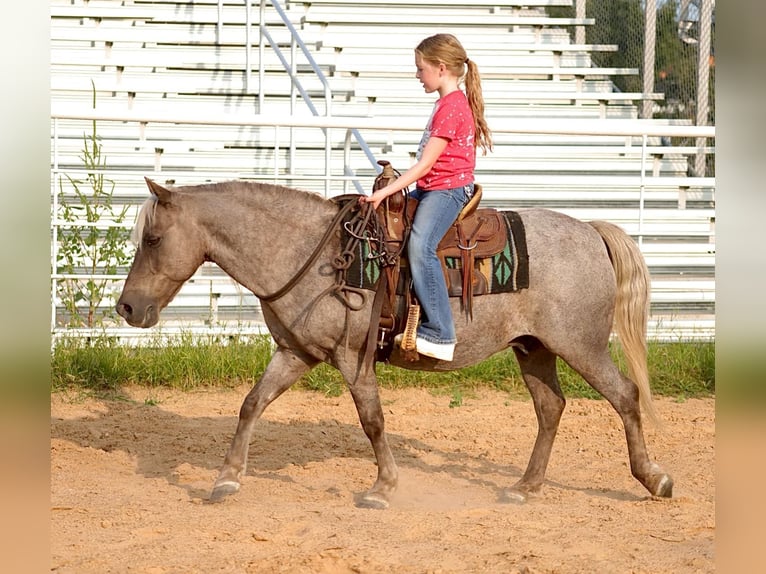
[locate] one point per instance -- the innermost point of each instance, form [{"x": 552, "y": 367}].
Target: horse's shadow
[{"x": 202, "y": 441}]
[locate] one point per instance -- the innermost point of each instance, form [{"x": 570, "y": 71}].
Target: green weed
[
  {"x": 681, "y": 370},
  {"x": 91, "y": 242}
]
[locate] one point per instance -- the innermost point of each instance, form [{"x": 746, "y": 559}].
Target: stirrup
[
  {"x": 411, "y": 329},
  {"x": 408, "y": 344}
]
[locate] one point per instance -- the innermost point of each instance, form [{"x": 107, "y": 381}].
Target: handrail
[
  {"x": 295, "y": 81},
  {"x": 552, "y": 126},
  {"x": 299, "y": 42},
  {"x": 642, "y": 128},
  {"x": 328, "y": 95},
  {"x": 562, "y": 126}
]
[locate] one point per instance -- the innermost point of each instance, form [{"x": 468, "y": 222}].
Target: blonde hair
[{"x": 446, "y": 49}]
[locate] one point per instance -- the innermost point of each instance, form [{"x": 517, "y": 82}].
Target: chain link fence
[{"x": 682, "y": 54}]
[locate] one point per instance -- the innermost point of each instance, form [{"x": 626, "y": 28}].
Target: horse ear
[{"x": 162, "y": 194}]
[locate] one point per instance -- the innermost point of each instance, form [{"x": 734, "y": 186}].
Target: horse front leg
[
  {"x": 286, "y": 367},
  {"x": 364, "y": 390},
  {"x": 538, "y": 368}
]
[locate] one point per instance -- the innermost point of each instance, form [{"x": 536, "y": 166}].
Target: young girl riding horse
[{"x": 444, "y": 177}]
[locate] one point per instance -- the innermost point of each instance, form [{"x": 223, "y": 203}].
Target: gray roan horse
[{"x": 583, "y": 277}]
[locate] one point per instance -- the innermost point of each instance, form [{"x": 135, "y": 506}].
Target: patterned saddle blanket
[{"x": 492, "y": 242}]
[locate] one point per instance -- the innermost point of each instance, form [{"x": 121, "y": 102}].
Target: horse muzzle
[{"x": 138, "y": 314}]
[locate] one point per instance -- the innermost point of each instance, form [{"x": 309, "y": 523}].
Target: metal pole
[
  {"x": 248, "y": 43},
  {"x": 276, "y": 154},
  {"x": 261, "y": 54},
  {"x": 346, "y": 158},
  {"x": 580, "y": 30},
  {"x": 327, "y": 154},
  {"x": 650, "y": 36},
  {"x": 219, "y": 24},
  {"x": 703, "y": 78},
  {"x": 54, "y": 221},
  {"x": 641, "y": 191},
  {"x": 293, "y": 101}
]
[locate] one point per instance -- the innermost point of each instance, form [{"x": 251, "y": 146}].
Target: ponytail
[{"x": 483, "y": 138}]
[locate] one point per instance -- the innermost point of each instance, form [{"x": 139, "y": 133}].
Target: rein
[
  {"x": 363, "y": 226},
  {"x": 357, "y": 228},
  {"x": 313, "y": 257}
]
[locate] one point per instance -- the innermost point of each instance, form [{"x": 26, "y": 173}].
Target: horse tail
[{"x": 631, "y": 310}]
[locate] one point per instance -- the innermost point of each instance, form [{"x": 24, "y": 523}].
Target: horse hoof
[
  {"x": 664, "y": 487},
  {"x": 513, "y": 497},
  {"x": 221, "y": 491},
  {"x": 371, "y": 500}
]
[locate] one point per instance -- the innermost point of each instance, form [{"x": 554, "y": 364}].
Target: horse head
[{"x": 169, "y": 249}]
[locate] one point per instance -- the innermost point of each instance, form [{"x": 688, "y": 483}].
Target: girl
[{"x": 443, "y": 174}]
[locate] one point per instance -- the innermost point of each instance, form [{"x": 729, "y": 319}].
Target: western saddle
[{"x": 476, "y": 233}]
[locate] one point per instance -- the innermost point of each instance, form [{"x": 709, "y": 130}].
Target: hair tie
[{"x": 466, "y": 61}]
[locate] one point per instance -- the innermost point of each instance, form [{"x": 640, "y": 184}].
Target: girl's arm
[{"x": 431, "y": 153}]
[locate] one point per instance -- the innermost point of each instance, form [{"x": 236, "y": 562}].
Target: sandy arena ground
[{"x": 130, "y": 479}]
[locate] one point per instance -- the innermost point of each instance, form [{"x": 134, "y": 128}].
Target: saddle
[{"x": 475, "y": 234}]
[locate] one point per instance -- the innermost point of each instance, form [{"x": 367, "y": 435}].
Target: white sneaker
[{"x": 442, "y": 351}]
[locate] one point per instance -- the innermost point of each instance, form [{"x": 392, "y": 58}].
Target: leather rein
[{"x": 340, "y": 263}]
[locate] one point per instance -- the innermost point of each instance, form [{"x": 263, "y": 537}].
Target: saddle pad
[{"x": 504, "y": 272}]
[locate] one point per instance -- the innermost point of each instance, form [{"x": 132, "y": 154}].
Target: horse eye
[{"x": 153, "y": 241}]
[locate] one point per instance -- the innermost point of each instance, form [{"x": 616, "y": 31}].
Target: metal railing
[
  {"x": 636, "y": 128},
  {"x": 291, "y": 70}
]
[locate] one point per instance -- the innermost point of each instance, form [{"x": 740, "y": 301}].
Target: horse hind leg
[
  {"x": 603, "y": 375},
  {"x": 538, "y": 368},
  {"x": 283, "y": 370}
]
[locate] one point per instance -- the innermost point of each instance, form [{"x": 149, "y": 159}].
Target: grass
[{"x": 681, "y": 370}]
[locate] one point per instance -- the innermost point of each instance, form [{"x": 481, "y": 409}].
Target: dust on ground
[{"x": 130, "y": 479}]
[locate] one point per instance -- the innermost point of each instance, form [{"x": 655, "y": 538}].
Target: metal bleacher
[{"x": 191, "y": 57}]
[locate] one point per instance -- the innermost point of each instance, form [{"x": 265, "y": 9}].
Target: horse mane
[
  {"x": 268, "y": 192},
  {"x": 144, "y": 218}
]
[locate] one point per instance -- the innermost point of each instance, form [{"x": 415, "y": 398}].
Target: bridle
[{"x": 356, "y": 230}]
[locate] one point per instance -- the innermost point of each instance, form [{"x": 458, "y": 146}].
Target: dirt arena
[{"x": 130, "y": 479}]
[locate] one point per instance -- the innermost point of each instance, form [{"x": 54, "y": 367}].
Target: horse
[{"x": 586, "y": 279}]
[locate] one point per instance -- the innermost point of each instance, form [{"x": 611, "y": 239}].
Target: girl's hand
[
  {"x": 376, "y": 198},
  {"x": 431, "y": 152}
]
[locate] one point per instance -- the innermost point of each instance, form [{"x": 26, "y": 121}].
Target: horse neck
[{"x": 261, "y": 239}]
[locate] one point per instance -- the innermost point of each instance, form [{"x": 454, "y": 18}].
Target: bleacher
[{"x": 185, "y": 57}]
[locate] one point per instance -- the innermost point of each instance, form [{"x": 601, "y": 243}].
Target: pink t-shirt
[{"x": 452, "y": 120}]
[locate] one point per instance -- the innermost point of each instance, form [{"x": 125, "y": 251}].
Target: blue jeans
[{"x": 435, "y": 213}]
